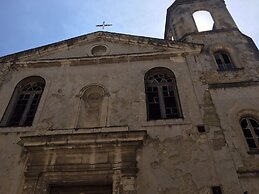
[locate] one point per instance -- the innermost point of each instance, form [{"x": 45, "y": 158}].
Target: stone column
[
  {"x": 129, "y": 185},
  {"x": 29, "y": 186}
]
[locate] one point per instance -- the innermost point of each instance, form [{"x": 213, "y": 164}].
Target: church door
[{"x": 99, "y": 189}]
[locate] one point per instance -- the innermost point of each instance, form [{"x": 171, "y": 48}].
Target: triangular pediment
[{"x": 100, "y": 44}]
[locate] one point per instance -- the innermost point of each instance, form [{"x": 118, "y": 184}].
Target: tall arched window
[
  {"x": 224, "y": 61},
  {"x": 250, "y": 128},
  {"x": 161, "y": 94},
  {"x": 24, "y": 102}
]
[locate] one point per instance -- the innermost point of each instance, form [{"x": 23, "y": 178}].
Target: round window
[{"x": 99, "y": 50}]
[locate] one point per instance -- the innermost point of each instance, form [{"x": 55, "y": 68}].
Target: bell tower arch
[{"x": 180, "y": 20}]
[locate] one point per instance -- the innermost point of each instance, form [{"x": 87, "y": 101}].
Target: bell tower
[{"x": 180, "y": 21}]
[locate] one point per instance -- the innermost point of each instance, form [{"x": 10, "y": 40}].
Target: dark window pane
[
  {"x": 254, "y": 123},
  {"x": 149, "y": 89},
  {"x": 155, "y": 89},
  {"x": 169, "y": 112},
  {"x": 175, "y": 114},
  {"x": 219, "y": 62},
  {"x": 229, "y": 66},
  {"x": 18, "y": 111},
  {"x": 159, "y": 80},
  {"x": 170, "y": 102},
  {"x": 28, "y": 121},
  {"x": 251, "y": 143},
  {"x": 32, "y": 110},
  {"x": 154, "y": 111},
  {"x": 153, "y": 97},
  {"x": 226, "y": 58},
  {"x": 216, "y": 190},
  {"x": 221, "y": 67},
  {"x": 244, "y": 123},
  {"x": 165, "y": 91},
  {"x": 247, "y": 133},
  {"x": 156, "y": 100}
]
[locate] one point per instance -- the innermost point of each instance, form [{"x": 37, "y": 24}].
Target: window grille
[
  {"x": 161, "y": 94},
  {"x": 224, "y": 61},
  {"x": 250, "y": 128},
  {"x": 24, "y": 102}
]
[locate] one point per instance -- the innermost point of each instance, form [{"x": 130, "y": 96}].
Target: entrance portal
[{"x": 75, "y": 189}]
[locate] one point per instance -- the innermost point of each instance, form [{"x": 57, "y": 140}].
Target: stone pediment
[{"x": 102, "y": 44}]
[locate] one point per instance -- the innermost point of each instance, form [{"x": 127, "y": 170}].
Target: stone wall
[{"x": 167, "y": 156}]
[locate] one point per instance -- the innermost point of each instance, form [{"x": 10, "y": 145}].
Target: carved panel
[{"x": 93, "y": 107}]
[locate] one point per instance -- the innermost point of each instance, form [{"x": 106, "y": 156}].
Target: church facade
[{"x": 109, "y": 113}]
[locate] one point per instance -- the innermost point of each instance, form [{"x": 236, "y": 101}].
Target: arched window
[
  {"x": 224, "y": 61},
  {"x": 24, "y": 102},
  {"x": 161, "y": 94},
  {"x": 203, "y": 20},
  {"x": 250, "y": 128}
]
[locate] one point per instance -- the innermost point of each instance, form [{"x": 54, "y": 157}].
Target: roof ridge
[{"x": 89, "y": 37}]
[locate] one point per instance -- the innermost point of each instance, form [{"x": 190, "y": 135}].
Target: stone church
[{"x": 109, "y": 113}]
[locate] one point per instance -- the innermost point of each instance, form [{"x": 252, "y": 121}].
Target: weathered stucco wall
[
  {"x": 126, "y": 101},
  {"x": 13, "y": 160},
  {"x": 124, "y": 83},
  {"x": 174, "y": 154}
]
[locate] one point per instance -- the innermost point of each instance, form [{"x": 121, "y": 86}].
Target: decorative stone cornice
[
  {"x": 97, "y": 36},
  {"x": 82, "y": 139},
  {"x": 101, "y": 60}
]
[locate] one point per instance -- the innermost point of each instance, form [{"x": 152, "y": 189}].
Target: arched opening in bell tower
[{"x": 203, "y": 20}]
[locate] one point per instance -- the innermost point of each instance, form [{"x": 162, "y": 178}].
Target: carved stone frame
[
  {"x": 85, "y": 159},
  {"x": 103, "y": 106}
]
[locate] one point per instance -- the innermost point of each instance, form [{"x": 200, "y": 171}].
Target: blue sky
[{"x": 28, "y": 24}]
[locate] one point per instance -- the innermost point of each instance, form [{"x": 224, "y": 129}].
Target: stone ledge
[
  {"x": 167, "y": 122},
  {"x": 81, "y": 139},
  {"x": 39, "y": 131},
  {"x": 253, "y": 152},
  {"x": 87, "y": 130},
  {"x": 90, "y": 168},
  {"x": 243, "y": 173},
  {"x": 233, "y": 84}
]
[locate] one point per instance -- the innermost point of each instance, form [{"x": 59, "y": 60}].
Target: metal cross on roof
[{"x": 103, "y": 25}]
